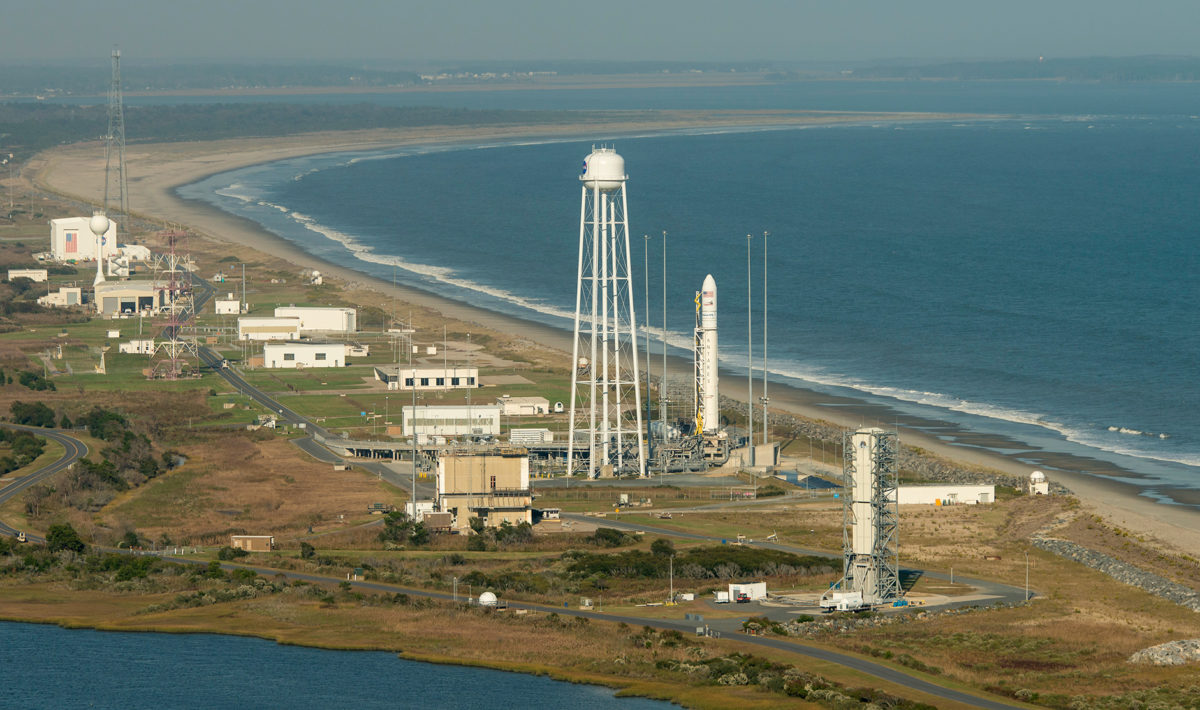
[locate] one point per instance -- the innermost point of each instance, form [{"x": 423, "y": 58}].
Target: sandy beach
[{"x": 156, "y": 170}]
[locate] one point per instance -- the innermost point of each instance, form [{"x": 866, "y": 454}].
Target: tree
[
  {"x": 65, "y": 422},
  {"x": 34, "y": 414},
  {"x": 63, "y": 537},
  {"x": 419, "y": 535},
  {"x": 662, "y": 547},
  {"x": 307, "y": 551},
  {"x": 130, "y": 539}
]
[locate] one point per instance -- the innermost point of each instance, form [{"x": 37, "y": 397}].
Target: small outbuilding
[
  {"x": 267, "y": 328},
  {"x": 252, "y": 543},
  {"x": 36, "y": 275},
  {"x": 304, "y": 355},
  {"x": 523, "y": 406}
]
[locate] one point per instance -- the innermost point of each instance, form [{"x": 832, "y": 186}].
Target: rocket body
[{"x": 708, "y": 405}]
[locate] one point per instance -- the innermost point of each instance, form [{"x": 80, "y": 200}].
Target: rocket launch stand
[{"x": 605, "y": 375}]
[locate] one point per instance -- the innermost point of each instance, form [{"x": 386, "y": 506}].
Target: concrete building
[
  {"x": 226, "y": 307},
  {"x": 137, "y": 347},
  {"x": 304, "y": 355},
  {"x": 63, "y": 297},
  {"x": 268, "y": 328},
  {"x": 36, "y": 275},
  {"x": 945, "y": 495},
  {"x": 72, "y": 240},
  {"x": 525, "y": 437},
  {"x": 451, "y": 420},
  {"x": 427, "y": 378},
  {"x": 523, "y": 406},
  {"x": 321, "y": 320},
  {"x": 753, "y": 590},
  {"x": 252, "y": 543},
  {"x": 493, "y": 487},
  {"x": 116, "y": 297}
]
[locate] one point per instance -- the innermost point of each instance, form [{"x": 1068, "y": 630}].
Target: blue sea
[
  {"x": 54, "y": 668},
  {"x": 1029, "y": 276}
]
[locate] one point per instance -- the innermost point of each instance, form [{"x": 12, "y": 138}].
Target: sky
[{"x": 680, "y": 30}]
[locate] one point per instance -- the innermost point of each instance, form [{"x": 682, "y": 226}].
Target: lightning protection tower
[
  {"x": 114, "y": 144},
  {"x": 176, "y": 352},
  {"x": 870, "y": 515},
  {"x": 604, "y": 379}
]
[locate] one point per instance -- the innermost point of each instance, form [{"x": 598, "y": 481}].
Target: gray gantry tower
[
  {"x": 114, "y": 143},
  {"x": 871, "y": 518}
]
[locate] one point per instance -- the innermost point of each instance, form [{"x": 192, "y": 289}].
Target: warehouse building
[
  {"x": 71, "y": 239},
  {"x": 321, "y": 320},
  {"x": 304, "y": 355},
  {"x": 451, "y": 421},
  {"x": 129, "y": 297},
  {"x": 63, "y": 297},
  {"x": 268, "y": 328},
  {"x": 493, "y": 487},
  {"x": 945, "y": 494},
  {"x": 427, "y": 378},
  {"x": 522, "y": 406}
]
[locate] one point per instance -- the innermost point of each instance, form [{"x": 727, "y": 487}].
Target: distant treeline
[
  {"x": 27, "y": 127},
  {"x": 1150, "y": 68},
  {"x": 95, "y": 78}
]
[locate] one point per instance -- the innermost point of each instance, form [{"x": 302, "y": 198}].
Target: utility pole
[
  {"x": 672, "y": 576},
  {"x": 646, "y": 329},
  {"x": 662, "y": 381},
  {"x": 1027, "y": 576}
]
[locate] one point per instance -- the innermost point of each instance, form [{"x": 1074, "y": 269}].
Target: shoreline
[{"x": 158, "y": 169}]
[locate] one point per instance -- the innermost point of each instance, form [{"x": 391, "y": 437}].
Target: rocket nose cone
[{"x": 710, "y": 284}]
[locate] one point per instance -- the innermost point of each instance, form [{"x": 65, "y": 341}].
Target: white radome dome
[
  {"x": 604, "y": 168},
  {"x": 98, "y": 224},
  {"x": 487, "y": 599},
  {"x": 1037, "y": 477}
]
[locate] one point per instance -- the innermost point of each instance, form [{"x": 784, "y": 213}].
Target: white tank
[
  {"x": 487, "y": 599},
  {"x": 603, "y": 168},
  {"x": 98, "y": 224}
]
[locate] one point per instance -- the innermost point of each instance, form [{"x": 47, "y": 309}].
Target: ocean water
[
  {"x": 1027, "y": 276},
  {"x": 53, "y": 668}
]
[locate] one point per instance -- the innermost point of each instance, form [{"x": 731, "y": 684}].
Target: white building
[
  {"x": 268, "y": 328},
  {"x": 137, "y": 347},
  {"x": 71, "y": 239},
  {"x": 63, "y": 297},
  {"x": 321, "y": 320},
  {"x": 116, "y": 297},
  {"x": 754, "y": 590},
  {"x": 427, "y": 378},
  {"x": 451, "y": 420},
  {"x": 1038, "y": 485},
  {"x": 945, "y": 495},
  {"x": 525, "y": 437},
  {"x": 293, "y": 355},
  {"x": 38, "y": 275},
  {"x": 523, "y": 406},
  {"x": 225, "y": 307}
]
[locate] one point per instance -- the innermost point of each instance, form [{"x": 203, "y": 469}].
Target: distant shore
[{"x": 156, "y": 170}]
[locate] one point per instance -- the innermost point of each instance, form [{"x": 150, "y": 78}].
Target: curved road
[{"x": 73, "y": 451}]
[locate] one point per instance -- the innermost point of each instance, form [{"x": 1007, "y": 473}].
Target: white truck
[{"x": 843, "y": 601}]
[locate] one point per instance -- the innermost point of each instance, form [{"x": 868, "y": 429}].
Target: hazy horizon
[{"x": 622, "y": 30}]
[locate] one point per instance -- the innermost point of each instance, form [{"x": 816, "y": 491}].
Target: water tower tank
[
  {"x": 603, "y": 168},
  {"x": 487, "y": 599},
  {"x": 98, "y": 224}
]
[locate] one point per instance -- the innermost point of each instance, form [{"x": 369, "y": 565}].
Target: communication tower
[
  {"x": 114, "y": 143},
  {"x": 870, "y": 516},
  {"x": 176, "y": 353},
  {"x": 604, "y": 378}
]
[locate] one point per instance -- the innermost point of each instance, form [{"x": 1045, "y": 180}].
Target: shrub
[{"x": 230, "y": 553}]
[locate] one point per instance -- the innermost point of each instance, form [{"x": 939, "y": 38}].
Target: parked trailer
[{"x": 843, "y": 601}]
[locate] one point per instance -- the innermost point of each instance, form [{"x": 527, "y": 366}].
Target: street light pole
[{"x": 765, "y": 399}]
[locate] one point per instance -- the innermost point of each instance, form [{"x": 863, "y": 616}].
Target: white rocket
[{"x": 708, "y": 414}]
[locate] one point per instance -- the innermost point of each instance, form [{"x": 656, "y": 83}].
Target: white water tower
[
  {"x": 99, "y": 225},
  {"x": 604, "y": 381}
]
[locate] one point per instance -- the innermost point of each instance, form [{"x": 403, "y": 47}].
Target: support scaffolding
[{"x": 870, "y": 516}]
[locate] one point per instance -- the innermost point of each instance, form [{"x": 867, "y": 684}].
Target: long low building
[
  {"x": 523, "y": 406},
  {"x": 37, "y": 275},
  {"x": 116, "y": 297},
  {"x": 945, "y": 494},
  {"x": 427, "y": 378},
  {"x": 268, "y": 328},
  {"x": 453, "y": 420},
  {"x": 304, "y": 355},
  {"x": 317, "y": 319}
]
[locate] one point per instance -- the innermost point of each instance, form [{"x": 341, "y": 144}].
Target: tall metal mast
[{"x": 114, "y": 143}]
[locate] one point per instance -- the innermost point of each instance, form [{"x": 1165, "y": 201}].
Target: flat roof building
[
  {"x": 304, "y": 355},
  {"x": 320, "y": 319},
  {"x": 453, "y": 420},
  {"x": 945, "y": 494},
  {"x": 116, "y": 297},
  {"x": 427, "y": 378},
  {"x": 37, "y": 275},
  {"x": 71, "y": 239},
  {"x": 493, "y": 487},
  {"x": 268, "y": 328},
  {"x": 523, "y": 406},
  {"x": 63, "y": 297}
]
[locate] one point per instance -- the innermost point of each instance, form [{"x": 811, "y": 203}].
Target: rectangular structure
[
  {"x": 945, "y": 495},
  {"x": 525, "y": 437},
  {"x": 303, "y": 355},
  {"x": 71, "y": 239},
  {"x": 65, "y": 296},
  {"x": 137, "y": 347},
  {"x": 523, "y": 406},
  {"x": 268, "y": 328},
  {"x": 130, "y": 297},
  {"x": 493, "y": 487},
  {"x": 252, "y": 543},
  {"x": 226, "y": 307},
  {"x": 427, "y": 378},
  {"x": 316, "y": 319},
  {"x": 453, "y": 420},
  {"x": 36, "y": 275}
]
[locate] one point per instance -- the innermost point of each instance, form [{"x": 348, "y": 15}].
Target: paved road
[{"x": 73, "y": 451}]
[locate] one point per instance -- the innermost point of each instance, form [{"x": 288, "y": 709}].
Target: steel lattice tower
[
  {"x": 604, "y": 376},
  {"x": 176, "y": 354},
  {"x": 114, "y": 142},
  {"x": 871, "y": 516}
]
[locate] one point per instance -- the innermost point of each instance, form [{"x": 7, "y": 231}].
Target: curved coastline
[{"x": 164, "y": 168}]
